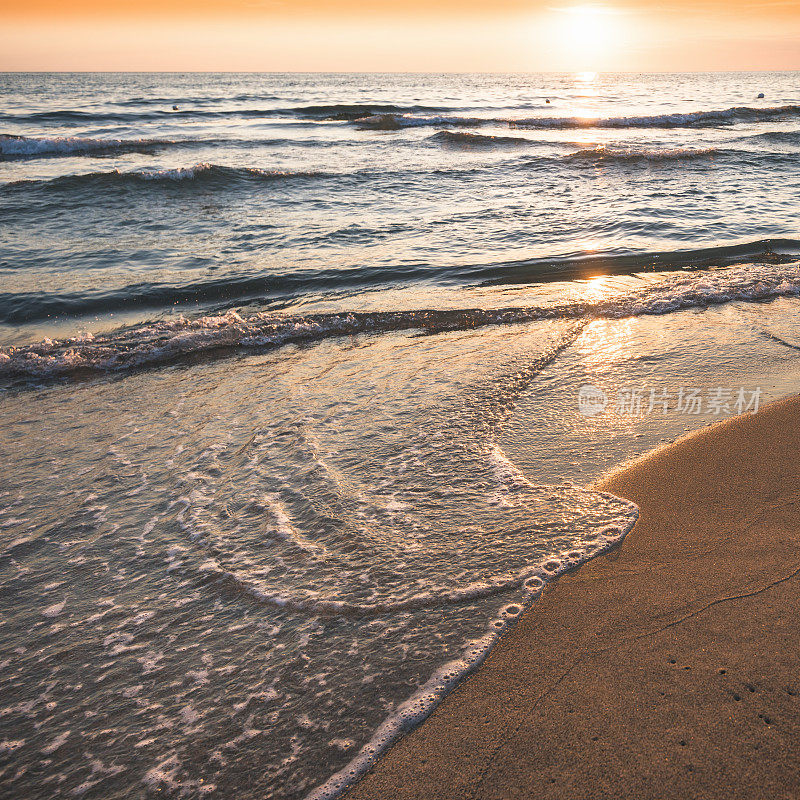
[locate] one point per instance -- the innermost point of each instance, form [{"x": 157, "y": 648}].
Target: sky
[{"x": 409, "y": 35}]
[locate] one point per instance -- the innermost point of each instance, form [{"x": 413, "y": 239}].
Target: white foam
[
  {"x": 284, "y": 529},
  {"x": 419, "y": 706},
  {"x": 605, "y": 153},
  {"x": 135, "y": 348},
  {"x": 177, "y": 174},
  {"x": 63, "y": 145}
]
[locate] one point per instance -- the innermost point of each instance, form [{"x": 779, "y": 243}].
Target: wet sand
[{"x": 667, "y": 669}]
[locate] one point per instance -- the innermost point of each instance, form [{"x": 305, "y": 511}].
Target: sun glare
[{"x": 588, "y": 35}]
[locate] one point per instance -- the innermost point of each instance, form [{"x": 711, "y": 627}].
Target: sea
[{"x": 306, "y": 380}]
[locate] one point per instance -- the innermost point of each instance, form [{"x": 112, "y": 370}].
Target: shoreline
[{"x": 669, "y": 667}]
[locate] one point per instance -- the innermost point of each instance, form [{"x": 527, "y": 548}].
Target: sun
[{"x": 587, "y": 35}]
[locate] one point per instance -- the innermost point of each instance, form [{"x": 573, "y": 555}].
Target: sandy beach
[{"x": 669, "y": 668}]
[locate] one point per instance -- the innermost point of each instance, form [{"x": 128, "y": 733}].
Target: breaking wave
[
  {"x": 391, "y": 122},
  {"x": 728, "y": 116},
  {"x": 162, "y": 342},
  {"x": 27, "y": 146},
  {"x": 199, "y": 172},
  {"x": 690, "y": 119},
  {"x": 26, "y": 307},
  {"x": 609, "y": 154}
]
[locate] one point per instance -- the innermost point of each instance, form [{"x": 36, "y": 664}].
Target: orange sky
[
  {"x": 137, "y": 9},
  {"x": 413, "y": 35}
]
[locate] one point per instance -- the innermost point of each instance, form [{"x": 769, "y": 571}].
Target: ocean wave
[
  {"x": 393, "y": 122},
  {"x": 68, "y": 116},
  {"x": 329, "y": 112},
  {"x": 624, "y": 155},
  {"x": 26, "y": 307},
  {"x": 692, "y": 119},
  {"x": 207, "y": 173},
  {"x": 26, "y": 147},
  {"x": 29, "y": 146},
  {"x": 195, "y": 99},
  {"x": 163, "y": 342},
  {"x": 219, "y": 176},
  {"x": 777, "y": 137},
  {"x": 348, "y": 111},
  {"x": 464, "y": 139},
  {"x": 393, "y": 116}
]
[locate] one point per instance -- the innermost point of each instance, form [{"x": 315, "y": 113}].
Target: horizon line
[{"x": 384, "y": 72}]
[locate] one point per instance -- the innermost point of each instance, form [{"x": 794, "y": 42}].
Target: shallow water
[
  {"x": 247, "y": 565},
  {"x": 290, "y": 439}
]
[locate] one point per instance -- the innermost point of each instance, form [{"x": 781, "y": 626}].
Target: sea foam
[
  {"x": 420, "y": 705},
  {"x": 163, "y": 342},
  {"x": 29, "y": 146}
]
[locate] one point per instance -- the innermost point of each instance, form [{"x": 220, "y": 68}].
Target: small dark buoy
[
  {"x": 174, "y": 108},
  {"x": 761, "y": 95}
]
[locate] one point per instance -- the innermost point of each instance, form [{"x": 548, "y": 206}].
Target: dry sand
[{"x": 667, "y": 669}]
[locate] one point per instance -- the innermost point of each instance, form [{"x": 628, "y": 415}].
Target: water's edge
[{"x": 427, "y": 698}]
